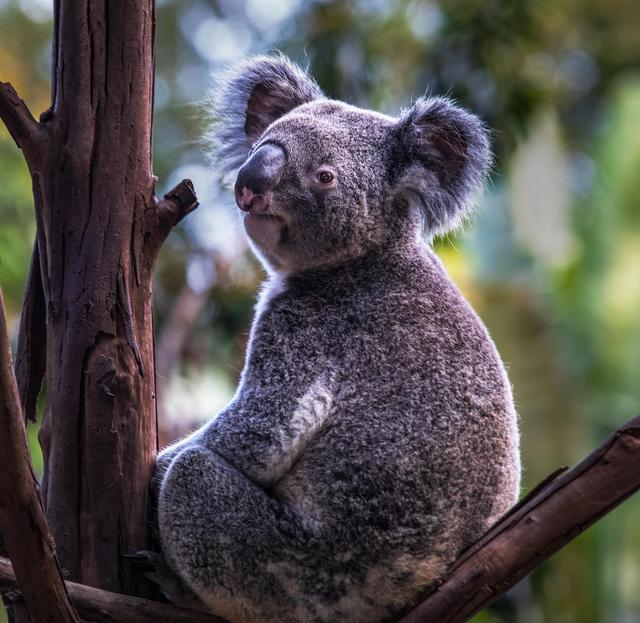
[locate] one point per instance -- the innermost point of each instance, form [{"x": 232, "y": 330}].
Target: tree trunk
[
  {"x": 99, "y": 229},
  {"x": 96, "y": 194}
]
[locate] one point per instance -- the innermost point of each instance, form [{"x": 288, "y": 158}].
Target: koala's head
[{"x": 321, "y": 181}]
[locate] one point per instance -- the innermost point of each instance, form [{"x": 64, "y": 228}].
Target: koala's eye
[
  {"x": 322, "y": 179},
  {"x": 325, "y": 177}
]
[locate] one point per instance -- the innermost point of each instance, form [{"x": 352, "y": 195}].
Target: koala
[{"x": 372, "y": 436}]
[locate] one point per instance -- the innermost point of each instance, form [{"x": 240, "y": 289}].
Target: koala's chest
[
  {"x": 298, "y": 338},
  {"x": 294, "y": 337}
]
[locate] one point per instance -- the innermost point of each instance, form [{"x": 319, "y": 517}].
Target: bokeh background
[{"x": 551, "y": 260}]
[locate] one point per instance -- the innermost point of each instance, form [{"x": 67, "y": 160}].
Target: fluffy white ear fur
[
  {"x": 249, "y": 97},
  {"x": 446, "y": 159}
]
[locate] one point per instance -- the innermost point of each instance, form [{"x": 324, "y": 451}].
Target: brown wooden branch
[
  {"x": 24, "y": 129},
  {"x": 30, "y": 360},
  {"x": 550, "y": 517},
  {"x": 26, "y": 533},
  {"x": 101, "y": 606},
  {"x": 174, "y": 206}
]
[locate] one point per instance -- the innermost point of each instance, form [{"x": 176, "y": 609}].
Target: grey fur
[
  {"x": 449, "y": 149},
  {"x": 372, "y": 436}
]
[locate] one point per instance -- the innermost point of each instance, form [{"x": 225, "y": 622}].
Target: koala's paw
[{"x": 155, "y": 568}]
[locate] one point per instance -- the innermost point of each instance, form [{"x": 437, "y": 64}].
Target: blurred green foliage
[{"x": 551, "y": 262}]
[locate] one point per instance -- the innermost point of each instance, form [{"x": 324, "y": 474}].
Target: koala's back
[{"x": 419, "y": 453}]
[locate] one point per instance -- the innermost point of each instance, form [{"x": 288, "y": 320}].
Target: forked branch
[{"x": 25, "y": 130}]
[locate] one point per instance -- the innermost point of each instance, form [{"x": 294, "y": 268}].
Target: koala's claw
[
  {"x": 146, "y": 560},
  {"x": 155, "y": 568}
]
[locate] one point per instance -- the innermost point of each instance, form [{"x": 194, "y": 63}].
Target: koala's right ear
[{"x": 248, "y": 98}]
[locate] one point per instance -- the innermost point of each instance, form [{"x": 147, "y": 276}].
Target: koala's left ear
[
  {"x": 251, "y": 96},
  {"x": 443, "y": 161}
]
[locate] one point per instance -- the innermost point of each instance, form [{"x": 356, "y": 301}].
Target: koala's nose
[{"x": 258, "y": 176}]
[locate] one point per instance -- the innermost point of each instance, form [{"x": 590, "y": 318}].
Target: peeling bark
[{"x": 32, "y": 339}]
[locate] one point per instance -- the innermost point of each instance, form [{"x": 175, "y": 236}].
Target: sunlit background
[{"x": 551, "y": 261}]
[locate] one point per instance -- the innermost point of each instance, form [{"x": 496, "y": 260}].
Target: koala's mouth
[
  {"x": 262, "y": 219},
  {"x": 266, "y": 230}
]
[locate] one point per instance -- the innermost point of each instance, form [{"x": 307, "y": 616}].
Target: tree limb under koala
[
  {"x": 100, "y": 606},
  {"x": 544, "y": 522}
]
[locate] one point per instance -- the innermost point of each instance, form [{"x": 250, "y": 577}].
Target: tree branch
[
  {"x": 30, "y": 361},
  {"x": 101, "y": 606},
  {"x": 24, "y": 129},
  {"x": 550, "y": 517},
  {"x": 26, "y": 533},
  {"x": 174, "y": 206}
]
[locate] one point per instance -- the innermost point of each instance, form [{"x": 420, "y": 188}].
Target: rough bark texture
[
  {"x": 553, "y": 514},
  {"x": 100, "y": 606},
  {"x": 99, "y": 230},
  {"x": 96, "y": 200},
  {"x": 32, "y": 340},
  {"x": 22, "y": 521}
]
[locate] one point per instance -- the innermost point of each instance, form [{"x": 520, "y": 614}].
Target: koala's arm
[
  {"x": 264, "y": 430},
  {"x": 166, "y": 456}
]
